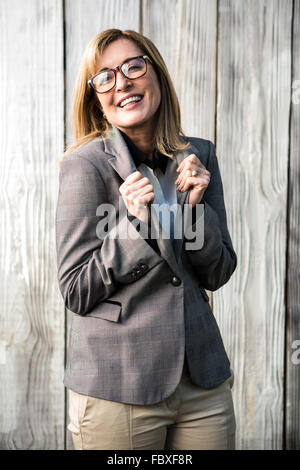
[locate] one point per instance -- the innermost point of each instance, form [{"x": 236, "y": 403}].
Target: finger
[
  {"x": 138, "y": 194},
  {"x": 144, "y": 201},
  {"x": 135, "y": 176},
  {"x": 198, "y": 182},
  {"x": 135, "y": 186},
  {"x": 131, "y": 179},
  {"x": 137, "y": 197},
  {"x": 139, "y": 184},
  {"x": 183, "y": 173},
  {"x": 186, "y": 173},
  {"x": 187, "y": 160},
  {"x": 191, "y": 159}
]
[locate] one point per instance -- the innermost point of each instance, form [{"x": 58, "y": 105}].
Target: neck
[{"x": 142, "y": 139}]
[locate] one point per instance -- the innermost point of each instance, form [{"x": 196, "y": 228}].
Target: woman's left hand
[{"x": 185, "y": 179}]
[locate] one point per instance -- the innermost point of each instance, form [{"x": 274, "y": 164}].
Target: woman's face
[{"x": 139, "y": 114}]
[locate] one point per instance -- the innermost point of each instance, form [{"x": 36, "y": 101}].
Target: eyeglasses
[{"x": 132, "y": 68}]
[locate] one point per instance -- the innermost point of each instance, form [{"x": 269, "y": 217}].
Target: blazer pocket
[{"x": 106, "y": 311}]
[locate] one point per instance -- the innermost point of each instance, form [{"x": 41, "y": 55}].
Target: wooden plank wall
[
  {"x": 254, "y": 101},
  {"x": 233, "y": 63},
  {"x": 292, "y": 404},
  {"x": 32, "y": 135}
]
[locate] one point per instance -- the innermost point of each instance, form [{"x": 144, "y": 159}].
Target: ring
[{"x": 194, "y": 173}]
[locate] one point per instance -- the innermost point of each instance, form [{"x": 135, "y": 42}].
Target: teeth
[{"x": 132, "y": 98}]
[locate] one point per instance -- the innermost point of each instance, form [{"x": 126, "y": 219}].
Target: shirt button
[{"x": 175, "y": 281}]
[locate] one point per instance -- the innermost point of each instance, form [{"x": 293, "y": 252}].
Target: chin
[
  {"x": 133, "y": 119},
  {"x": 130, "y": 123}
]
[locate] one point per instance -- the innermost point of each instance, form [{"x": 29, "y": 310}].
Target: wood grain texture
[
  {"x": 233, "y": 63},
  {"x": 185, "y": 35},
  {"x": 254, "y": 66},
  {"x": 32, "y": 320},
  {"x": 293, "y": 260},
  {"x": 83, "y": 20}
]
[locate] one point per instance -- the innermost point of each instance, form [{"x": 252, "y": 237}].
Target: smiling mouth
[{"x": 131, "y": 102}]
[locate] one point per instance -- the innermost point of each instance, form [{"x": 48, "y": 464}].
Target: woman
[{"x": 146, "y": 364}]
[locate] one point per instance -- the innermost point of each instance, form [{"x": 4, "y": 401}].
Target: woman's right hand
[{"x": 137, "y": 193}]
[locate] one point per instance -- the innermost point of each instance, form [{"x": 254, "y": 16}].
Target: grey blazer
[{"x": 137, "y": 313}]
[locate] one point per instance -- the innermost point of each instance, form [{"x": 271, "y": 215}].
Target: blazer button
[
  {"x": 143, "y": 267},
  {"x": 175, "y": 281}
]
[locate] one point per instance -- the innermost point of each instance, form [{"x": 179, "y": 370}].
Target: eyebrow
[
  {"x": 111, "y": 68},
  {"x": 103, "y": 70}
]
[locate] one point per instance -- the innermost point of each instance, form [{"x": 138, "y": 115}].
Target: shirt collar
[{"x": 158, "y": 161}]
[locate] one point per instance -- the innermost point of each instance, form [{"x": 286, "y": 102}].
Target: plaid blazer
[{"x": 137, "y": 314}]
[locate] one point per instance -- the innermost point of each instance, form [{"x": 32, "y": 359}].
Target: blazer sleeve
[
  {"x": 91, "y": 268},
  {"x": 216, "y": 260}
]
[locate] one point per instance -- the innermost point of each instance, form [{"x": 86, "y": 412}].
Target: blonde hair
[{"x": 87, "y": 118}]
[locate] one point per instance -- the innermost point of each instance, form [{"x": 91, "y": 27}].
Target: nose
[{"x": 121, "y": 81}]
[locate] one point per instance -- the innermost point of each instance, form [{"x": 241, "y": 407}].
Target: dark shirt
[{"x": 158, "y": 161}]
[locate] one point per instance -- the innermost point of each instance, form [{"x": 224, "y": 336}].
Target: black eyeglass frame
[{"x": 119, "y": 68}]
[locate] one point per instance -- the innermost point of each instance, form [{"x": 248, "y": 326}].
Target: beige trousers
[{"x": 191, "y": 418}]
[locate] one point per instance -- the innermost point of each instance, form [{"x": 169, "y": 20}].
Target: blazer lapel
[
  {"x": 120, "y": 159},
  {"x": 182, "y": 198}
]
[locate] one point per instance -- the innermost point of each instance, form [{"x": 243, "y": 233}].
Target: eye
[
  {"x": 133, "y": 67},
  {"x": 103, "y": 78}
]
